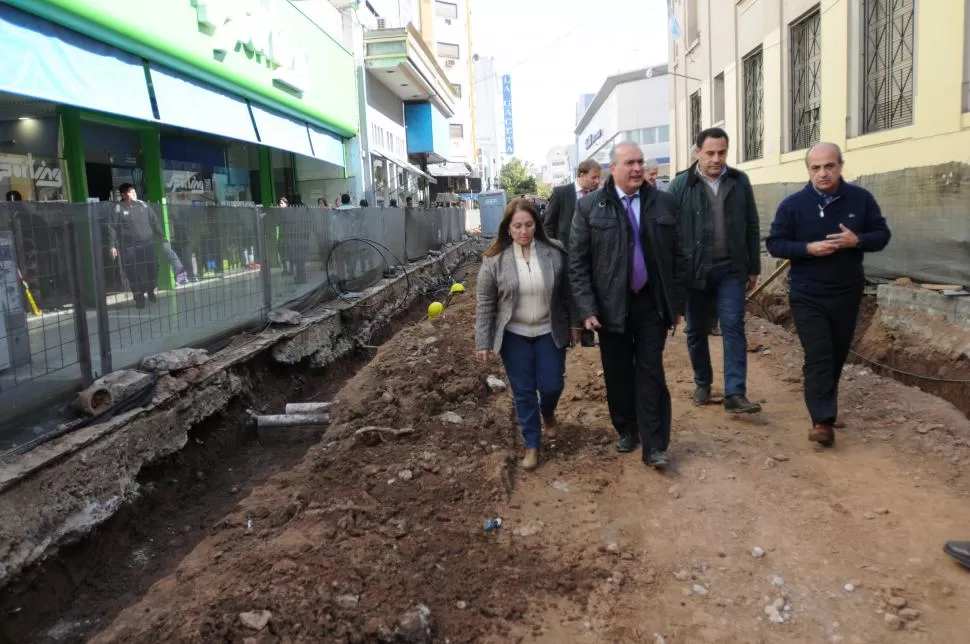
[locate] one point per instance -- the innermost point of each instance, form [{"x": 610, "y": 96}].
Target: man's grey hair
[
  {"x": 651, "y": 164},
  {"x": 838, "y": 151},
  {"x": 619, "y": 145}
]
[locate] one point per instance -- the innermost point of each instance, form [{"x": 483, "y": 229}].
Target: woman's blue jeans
[{"x": 535, "y": 368}]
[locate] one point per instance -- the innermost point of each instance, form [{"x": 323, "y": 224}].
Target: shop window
[
  {"x": 446, "y": 10},
  {"x": 449, "y": 51},
  {"x": 29, "y": 164}
]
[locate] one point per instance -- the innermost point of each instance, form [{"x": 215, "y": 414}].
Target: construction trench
[{"x": 187, "y": 523}]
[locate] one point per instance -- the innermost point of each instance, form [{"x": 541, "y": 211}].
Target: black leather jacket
[{"x": 601, "y": 254}]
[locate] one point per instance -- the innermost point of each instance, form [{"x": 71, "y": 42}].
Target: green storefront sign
[{"x": 265, "y": 50}]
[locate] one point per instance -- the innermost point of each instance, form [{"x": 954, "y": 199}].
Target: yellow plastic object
[
  {"x": 456, "y": 288},
  {"x": 435, "y": 309}
]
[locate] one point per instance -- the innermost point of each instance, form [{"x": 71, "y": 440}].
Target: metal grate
[
  {"x": 754, "y": 123},
  {"x": 695, "y": 116},
  {"x": 888, "y": 64},
  {"x": 806, "y": 87}
]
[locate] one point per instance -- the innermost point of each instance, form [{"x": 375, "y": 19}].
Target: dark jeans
[
  {"x": 725, "y": 293},
  {"x": 141, "y": 268},
  {"x": 533, "y": 365},
  {"x": 825, "y": 326},
  {"x": 636, "y": 387}
]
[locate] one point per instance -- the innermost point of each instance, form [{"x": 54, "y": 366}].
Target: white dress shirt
[{"x": 636, "y": 201}]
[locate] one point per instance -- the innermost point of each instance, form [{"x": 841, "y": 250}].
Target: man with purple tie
[{"x": 628, "y": 275}]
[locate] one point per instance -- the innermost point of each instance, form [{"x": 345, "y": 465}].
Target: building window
[
  {"x": 663, "y": 134},
  {"x": 695, "y": 116},
  {"x": 693, "y": 33},
  {"x": 457, "y": 89},
  {"x": 448, "y": 50},
  {"x": 718, "y": 90},
  {"x": 446, "y": 10},
  {"x": 806, "y": 86},
  {"x": 887, "y": 64},
  {"x": 457, "y": 131},
  {"x": 754, "y": 123}
]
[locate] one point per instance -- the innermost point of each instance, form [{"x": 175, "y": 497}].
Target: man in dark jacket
[
  {"x": 719, "y": 227},
  {"x": 824, "y": 230},
  {"x": 562, "y": 203},
  {"x": 134, "y": 230},
  {"x": 627, "y": 274}
]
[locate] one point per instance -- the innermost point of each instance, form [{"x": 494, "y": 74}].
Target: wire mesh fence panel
[
  {"x": 417, "y": 226},
  {"x": 357, "y": 259},
  {"x": 39, "y": 348},
  {"x": 163, "y": 294},
  {"x": 298, "y": 242}
]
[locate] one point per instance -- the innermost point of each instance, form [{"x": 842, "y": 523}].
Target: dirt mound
[{"x": 379, "y": 536}]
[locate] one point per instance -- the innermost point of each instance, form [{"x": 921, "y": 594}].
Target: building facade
[
  {"x": 558, "y": 167},
  {"x": 629, "y": 106},
  {"x": 489, "y": 125},
  {"x": 886, "y": 80},
  {"x": 214, "y": 104}
]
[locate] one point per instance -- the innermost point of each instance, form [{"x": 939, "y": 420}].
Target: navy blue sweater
[{"x": 803, "y": 218}]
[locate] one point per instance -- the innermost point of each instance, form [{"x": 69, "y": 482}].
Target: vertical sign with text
[{"x": 507, "y": 113}]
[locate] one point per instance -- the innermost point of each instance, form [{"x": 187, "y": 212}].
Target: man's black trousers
[
  {"x": 825, "y": 326},
  {"x": 636, "y": 387}
]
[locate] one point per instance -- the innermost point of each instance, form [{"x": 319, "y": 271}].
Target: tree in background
[
  {"x": 544, "y": 190},
  {"x": 516, "y": 179}
]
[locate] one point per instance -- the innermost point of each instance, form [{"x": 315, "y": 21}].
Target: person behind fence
[
  {"x": 132, "y": 233},
  {"x": 825, "y": 229},
  {"x": 523, "y": 316},
  {"x": 720, "y": 231},
  {"x": 628, "y": 277}
]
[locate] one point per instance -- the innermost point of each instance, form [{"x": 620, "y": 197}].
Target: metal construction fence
[{"x": 89, "y": 288}]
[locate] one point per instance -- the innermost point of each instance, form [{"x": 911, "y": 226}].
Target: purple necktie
[{"x": 638, "y": 276}]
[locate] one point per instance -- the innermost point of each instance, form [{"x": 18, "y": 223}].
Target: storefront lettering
[
  {"x": 261, "y": 33},
  {"x": 45, "y": 176},
  {"x": 593, "y": 138},
  {"x": 187, "y": 182}
]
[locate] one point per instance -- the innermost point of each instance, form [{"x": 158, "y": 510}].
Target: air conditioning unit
[
  {"x": 450, "y": 62},
  {"x": 447, "y": 21},
  {"x": 381, "y": 23}
]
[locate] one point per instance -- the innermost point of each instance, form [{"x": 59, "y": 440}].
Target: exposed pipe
[
  {"x": 293, "y": 420},
  {"x": 312, "y": 408}
]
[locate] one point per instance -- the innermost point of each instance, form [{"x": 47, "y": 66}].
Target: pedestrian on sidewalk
[
  {"x": 721, "y": 237},
  {"x": 824, "y": 230},
  {"x": 559, "y": 217},
  {"x": 132, "y": 233},
  {"x": 523, "y": 315},
  {"x": 628, "y": 275}
]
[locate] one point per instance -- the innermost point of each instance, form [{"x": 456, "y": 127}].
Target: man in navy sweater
[{"x": 824, "y": 230}]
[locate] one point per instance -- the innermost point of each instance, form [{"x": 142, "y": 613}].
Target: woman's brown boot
[{"x": 531, "y": 459}]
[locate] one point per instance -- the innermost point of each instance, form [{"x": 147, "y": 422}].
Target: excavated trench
[
  {"x": 887, "y": 352},
  {"x": 68, "y": 597}
]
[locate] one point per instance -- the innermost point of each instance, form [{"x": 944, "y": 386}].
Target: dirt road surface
[{"x": 755, "y": 535}]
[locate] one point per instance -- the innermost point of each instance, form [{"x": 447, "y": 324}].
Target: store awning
[
  {"x": 278, "y": 131},
  {"x": 450, "y": 169},
  {"x": 326, "y": 146},
  {"x": 44, "y": 61},
  {"x": 187, "y": 103},
  {"x": 404, "y": 164}
]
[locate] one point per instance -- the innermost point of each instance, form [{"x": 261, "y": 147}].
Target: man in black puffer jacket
[{"x": 628, "y": 277}]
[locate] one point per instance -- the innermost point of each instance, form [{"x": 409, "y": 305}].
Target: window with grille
[
  {"x": 457, "y": 130},
  {"x": 448, "y": 50},
  {"x": 887, "y": 64},
  {"x": 718, "y": 89},
  {"x": 695, "y": 116},
  {"x": 754, "y": 122},
  {"x": 806, "y": 81},
  {"x": 447, "y": 10}
]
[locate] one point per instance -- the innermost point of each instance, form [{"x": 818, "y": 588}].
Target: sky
[{"x": 556, "y": 50}]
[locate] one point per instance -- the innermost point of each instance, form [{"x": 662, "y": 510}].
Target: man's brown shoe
[
  {"x": 531, "y": 460},
  {"x": 549, "y": 427},
  {"x": 838, "y": 424},
  {"x": 823, "y": 435}
]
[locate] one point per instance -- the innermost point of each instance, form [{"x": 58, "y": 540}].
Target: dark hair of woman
[{"x": 504, "y": 238}]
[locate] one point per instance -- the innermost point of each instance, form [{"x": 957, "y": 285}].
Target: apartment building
[
  {"x": 887, "y": 80},
  {"x": 558, "y": 168},
  {"x": 489, "y": 125},
  {"x": 448, "y": 31}
]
